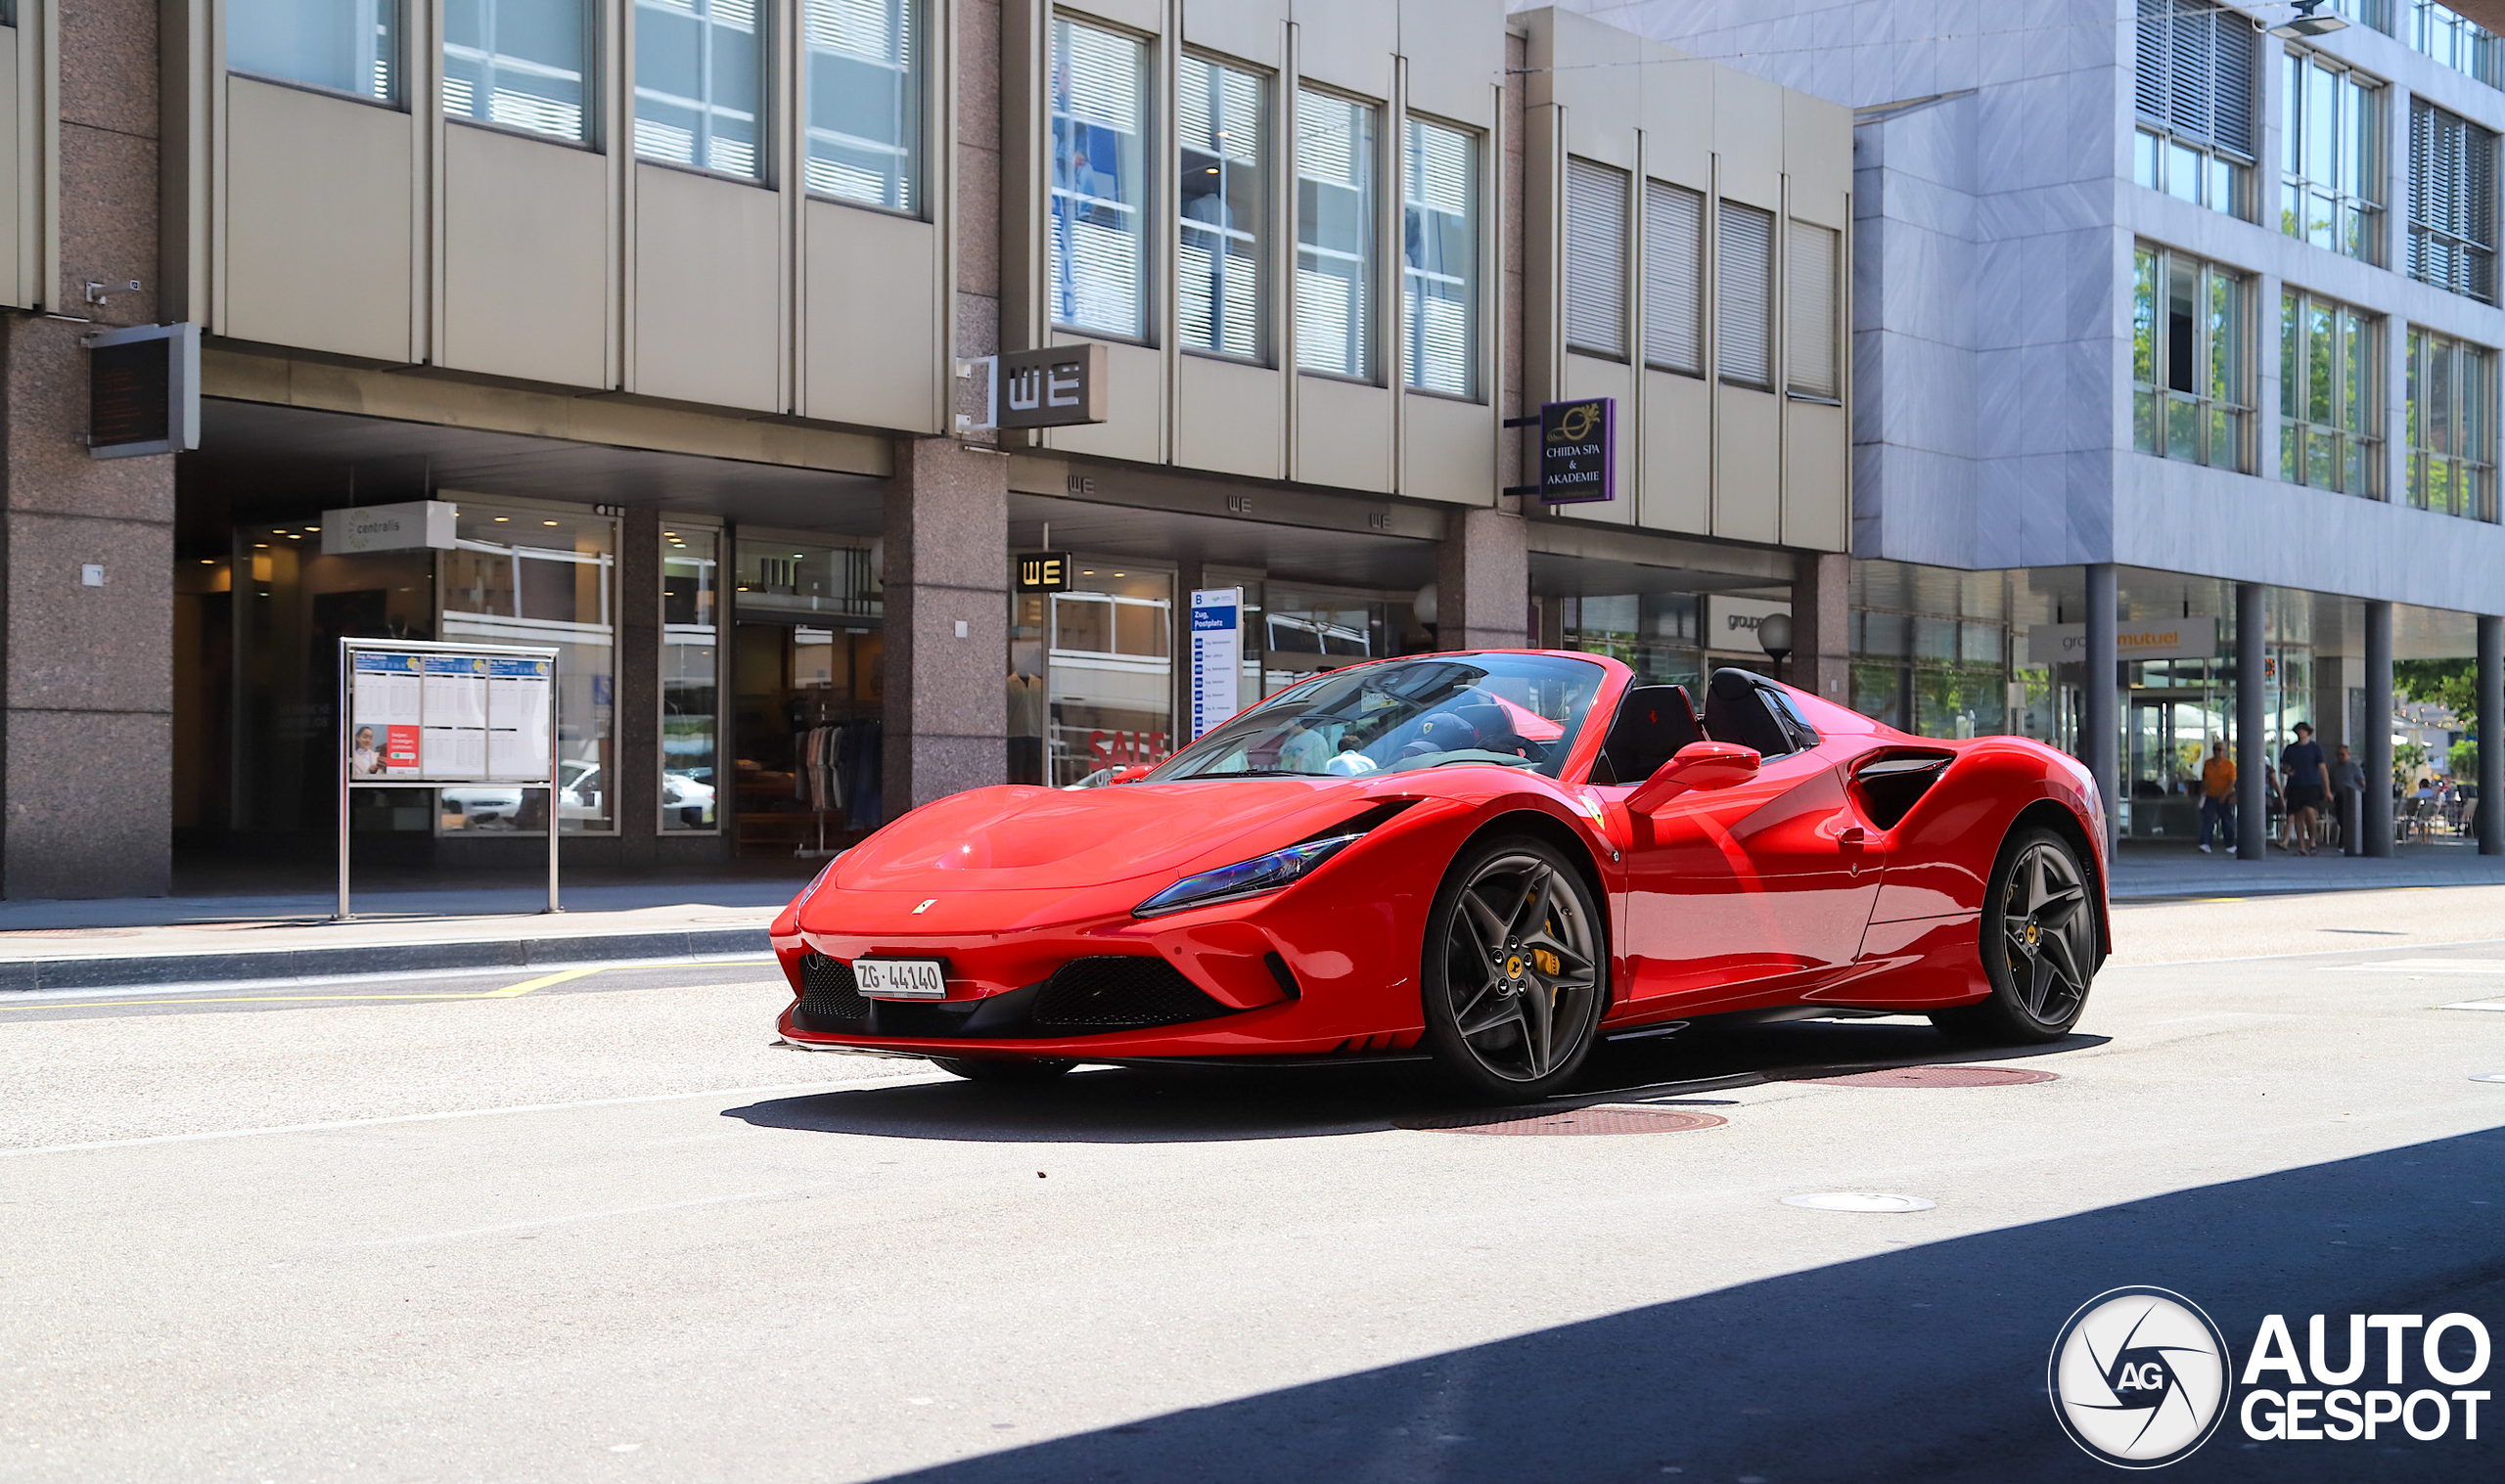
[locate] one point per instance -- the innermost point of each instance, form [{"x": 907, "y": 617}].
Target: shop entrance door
[{"x": 1101, "y": 657}]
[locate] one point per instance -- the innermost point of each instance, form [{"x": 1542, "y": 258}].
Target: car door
[{"x": 1759, "y": 886}]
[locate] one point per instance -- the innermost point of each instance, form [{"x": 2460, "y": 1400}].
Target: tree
[{"x": 2452, "y": 684}]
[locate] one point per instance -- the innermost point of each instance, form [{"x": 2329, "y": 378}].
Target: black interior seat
[
  {"x": 1736, "y": 710},
  {"x": 1653, "y": 722}
]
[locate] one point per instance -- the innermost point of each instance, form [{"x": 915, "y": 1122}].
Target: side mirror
[
  {"x": 1132, "y": 775},
  {"x": 1699, "y": 765}
]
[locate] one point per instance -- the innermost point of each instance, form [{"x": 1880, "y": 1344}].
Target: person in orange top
[{"x": 2218, "y": 796}]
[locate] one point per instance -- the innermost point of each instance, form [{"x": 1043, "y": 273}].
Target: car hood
[{"x": 1018, "y": 838}]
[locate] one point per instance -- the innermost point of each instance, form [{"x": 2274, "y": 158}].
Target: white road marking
[
  {"x": 2420, "y": 967},
  {"x": 558, "y": 1221}
]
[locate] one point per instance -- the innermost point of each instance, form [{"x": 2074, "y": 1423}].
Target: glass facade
[
  {"x": 1439, "y": 260},
  {"x": 2194, "y": 87},
  {"x": 1096, "y": 246},
  {"x": 1657, "y": 635},
  {"x": 691, "y": 674},
  {"x": 519, "y": 64},
  {"x": 2451, "y": 39},
  {"x": 344, "y": 46},
  {"x": 2453, "y": 427},
  {"x": 807, "y": 683},
  {"x": 2333, "y": 171},
  {"x": 2453, "y": 202},
  {"x": 1223, "y": 193},
  {"x": 864, "y": 82},
  {"x": 2191, "y": 376},
  {"x": 2331, "y": 406},
  {"x": 1930, "y": 650},
  {"x": 700, "y": 85},
  {"x": 1335, "y": 170}
]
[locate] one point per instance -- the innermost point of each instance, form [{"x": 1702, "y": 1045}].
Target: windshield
[{"x": 1521, "y": 710}]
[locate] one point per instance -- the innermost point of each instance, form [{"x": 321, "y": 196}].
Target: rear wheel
[
  {"x": 1510, "y": 972},
  {"x": 2039, "y": 945},
  {"x": 1004, "y": 1069}
]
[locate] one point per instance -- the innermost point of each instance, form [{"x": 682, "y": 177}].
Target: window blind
[
  {"x": 2195, "y": 72},
  {"x": 1744, "y": 329},
  {"x": 1673, "y": 278},
  {"x": 2453, "y": 202},
  {"x": 1809, "y": 320},
  {"x": 1595, "y": 258}
]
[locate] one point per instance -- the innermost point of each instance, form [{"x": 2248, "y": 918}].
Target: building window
[
  {"x": 2194, "y": 91},
  {"x": 1674, "y": 279},
  {"x": 864, "y": 82},
  {"x": 1810, "y": 367},
  {"x": 2453, "y": 202},
  {"x": 2330, "y": 396},
  {"x": 529, "y": 574},
  {"x": 2453, "y": 427},
  {"x": 2451, "y": 39},
  {"x": 1335, "y": 235},
  {"x": 2190, "y": 377},
  {"x": 1743, "y": 312},
  {"x": 344, "y": 46},
  {"x": 1224, "y": 195},
  {"x": 2333, "y": 174},
  {"x": 1595, "y": 260},
  {"x": 700, "y": 85},
  {"x": 1096, "y": 245},
  {"x": 1440, "y": 262},
  {"x": 521, "y": 64},
  {"x": 691, "y": 674}
]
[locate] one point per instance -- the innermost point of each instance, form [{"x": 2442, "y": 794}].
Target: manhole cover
[
  {"x": 1581, "y": 1120},
  {"x": 1859, "y": 1200},
  {"x": 1935, "y": 1076}
]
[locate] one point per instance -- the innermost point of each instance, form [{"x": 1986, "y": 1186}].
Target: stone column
[
  {"x": 2491, "y": 727},
  {"x": 946, "y": 660},
  {"x": 635, "y": 730},
  {"x": 2251, "y": 746},
  {"x": 1482, "y": 582},
  {"x": 1821, "y": 610},
  {"x": 2101, "y": 680},
  {"x": 2378, "y": 751},
  {"x": 87, "y": 732}
]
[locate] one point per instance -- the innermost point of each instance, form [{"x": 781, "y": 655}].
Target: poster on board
[
  {"x": 1218, "y": 652},
  {"x": 384, "y": 709},
  {"x": 518, "y": 719}
]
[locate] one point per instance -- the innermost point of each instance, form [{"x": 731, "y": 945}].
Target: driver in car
[{"x": 1474, "y": 722}]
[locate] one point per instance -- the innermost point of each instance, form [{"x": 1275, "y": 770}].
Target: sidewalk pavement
[
  {"x": 137, "y": 942},
  {"x": 181, "y": 940}
]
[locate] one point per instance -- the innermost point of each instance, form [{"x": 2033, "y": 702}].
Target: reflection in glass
[
  {"x": 348, "y": 46},
  {"x": 699, "y": 83},
  {"x": 521, "y": 64},
  {"x": 690, "y": 641},
  {"x": 864, "y": 83}
]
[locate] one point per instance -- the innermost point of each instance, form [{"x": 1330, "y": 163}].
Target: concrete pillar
[
  {"x": 1482, "y": 582},
  {"x": 2377, "y": 754},
  {"x": 635, "y": 734},
  {"x": 2492, "y": 735},
  {"x": 2102, "y": 730},
  {"x": 86, "y": 711},
  {"x": 2251, "y": 746},
  {"x": 1821, "y": 662},
  {"x": 946, "y": 660}
]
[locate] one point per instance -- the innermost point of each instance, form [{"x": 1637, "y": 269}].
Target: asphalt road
[{"x": 594, "y": 1227}]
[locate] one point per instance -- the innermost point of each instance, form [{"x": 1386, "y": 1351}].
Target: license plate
[{"x": 901, "y": 978}]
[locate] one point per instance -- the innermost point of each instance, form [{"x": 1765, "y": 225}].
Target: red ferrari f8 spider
[{"x": 1497, "y": 858}]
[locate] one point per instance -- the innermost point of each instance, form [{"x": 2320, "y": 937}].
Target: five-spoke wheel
[
  {"x": 1511, "y": 970},
  {"x": 2040, "y": 945}
]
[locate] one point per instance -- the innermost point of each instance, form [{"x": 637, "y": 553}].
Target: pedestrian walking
[
  {"x": 2347, "y": 793},
  {"x": 2308, "y": 784},
  {"x": 2218, "y": 796}
]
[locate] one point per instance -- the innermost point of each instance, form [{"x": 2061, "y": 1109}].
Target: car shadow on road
[
  {"x": 1926, "y": 1363},
  {"x": 1133, "y": 1104}
]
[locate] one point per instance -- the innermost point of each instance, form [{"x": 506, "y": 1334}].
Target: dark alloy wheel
[
  {"x": 2039, "y": 944},
  {"x": 1005, "y": 1068},
  {"x": 1512, "y": 975}
]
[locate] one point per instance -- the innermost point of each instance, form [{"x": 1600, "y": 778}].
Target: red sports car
[{"x": 1498, "y": 857}]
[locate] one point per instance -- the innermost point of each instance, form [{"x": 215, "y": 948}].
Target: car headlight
[
  {"x": 1246, "y": 879},
  {"x": 817, "y": 881}
]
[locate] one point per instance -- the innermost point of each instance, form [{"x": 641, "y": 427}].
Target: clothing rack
[{"x": 836, "y": 768}]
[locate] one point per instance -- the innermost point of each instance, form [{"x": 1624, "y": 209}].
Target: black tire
[
  {"x": 2040, "y": 945},
  {"x": 1513, "y": 974},
  {"x": 1004, "y": 1069}
]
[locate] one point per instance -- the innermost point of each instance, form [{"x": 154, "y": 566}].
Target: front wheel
[
  {"x": 1005, "y": 1069},
  {"x": 2039, "y": 945},
  {"x": 1512, "y": 971}
]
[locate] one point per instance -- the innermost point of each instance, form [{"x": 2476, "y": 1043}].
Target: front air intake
[
  {"x": 1119, "y": 992},
  {"x": 831, "y": 998}
]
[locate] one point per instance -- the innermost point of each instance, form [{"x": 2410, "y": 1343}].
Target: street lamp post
[{"x": 1774, "y": 634}]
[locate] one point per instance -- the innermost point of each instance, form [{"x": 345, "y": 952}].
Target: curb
[{"x": 139, "y": 970}]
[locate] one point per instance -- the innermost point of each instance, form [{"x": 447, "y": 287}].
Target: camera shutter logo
[{"x": 2139, "y": 1377}]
